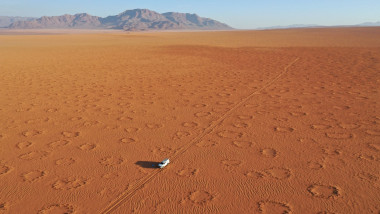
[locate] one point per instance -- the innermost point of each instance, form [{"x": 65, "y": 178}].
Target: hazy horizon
[{"x": 240, "y": 14}]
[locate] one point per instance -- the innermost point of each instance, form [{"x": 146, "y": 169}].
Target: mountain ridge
[
  {"x": 139, "y": 20},
  {"x": 129, "y": 20},
  {"x": 5, "y": 21}
]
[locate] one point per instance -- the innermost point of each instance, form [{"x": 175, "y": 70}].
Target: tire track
[
  {"x": 131, "y": 190},
  {"x": 228, "y": 113}
]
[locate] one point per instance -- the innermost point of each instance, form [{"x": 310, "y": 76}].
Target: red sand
[{"x": 279, "y": 121}]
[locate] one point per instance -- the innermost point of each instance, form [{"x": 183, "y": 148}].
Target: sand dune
[{"x": 282, "y": 121}]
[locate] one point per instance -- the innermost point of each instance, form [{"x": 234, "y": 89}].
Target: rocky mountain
[
  {"x": 5, "y": 21},
  {"x": 139, "y": 19},
  {"x": 187, "y": 20},
  {"x": 130, "y": 20}
]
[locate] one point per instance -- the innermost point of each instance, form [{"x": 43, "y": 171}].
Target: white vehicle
[{"x": 163, "y": 163}]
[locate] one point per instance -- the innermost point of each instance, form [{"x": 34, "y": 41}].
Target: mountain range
[
  {"x": 129, "y": 20},
  {"x": 136, "y": 20}
]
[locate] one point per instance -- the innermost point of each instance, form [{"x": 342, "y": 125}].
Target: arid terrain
[{"x": 276, "y": 121}]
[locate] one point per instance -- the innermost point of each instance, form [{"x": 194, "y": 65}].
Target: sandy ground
[{"x": 277, "y": 121}]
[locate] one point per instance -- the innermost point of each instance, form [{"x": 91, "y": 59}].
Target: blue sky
[{"x": 244, "y": 14}]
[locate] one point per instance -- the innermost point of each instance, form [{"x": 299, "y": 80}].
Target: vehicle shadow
[{"x": 147, "y": 164}]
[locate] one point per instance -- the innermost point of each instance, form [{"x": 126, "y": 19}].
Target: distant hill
[
  {"x": 130, "y": 20},
  {"x": 5, "y": 21},
  {"x": 366, "y": 24},
  {"x": 370, "y": 24},
  {"x": 289, "y": 26}
]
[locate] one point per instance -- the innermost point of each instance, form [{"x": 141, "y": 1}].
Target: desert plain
[{"x": 273, "y": 121}]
